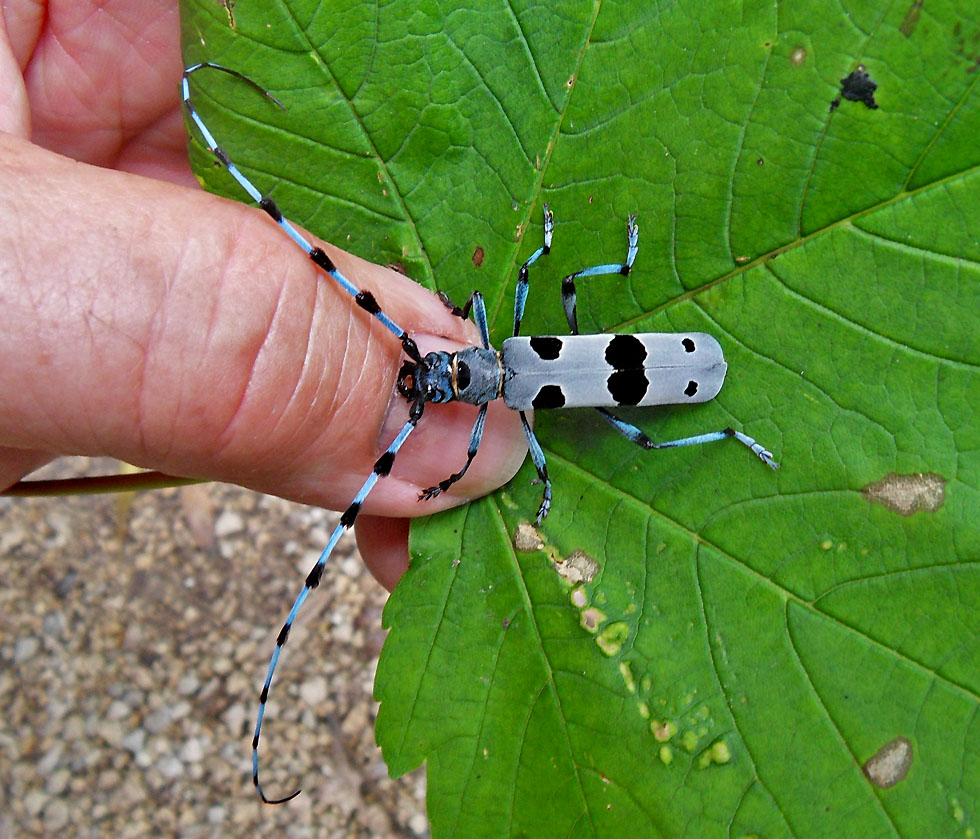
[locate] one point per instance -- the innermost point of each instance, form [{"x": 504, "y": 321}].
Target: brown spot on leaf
[
  {"x": 911, "y": 19},
  {"x": 907, "y": 494},
  {"x": 527, "y": 539},
  {"x": 478, "y": 256},
  {"x": 229, "y": 7},
  {"x": 577, "y": 567},
  {"x": 890, "y": 764}
]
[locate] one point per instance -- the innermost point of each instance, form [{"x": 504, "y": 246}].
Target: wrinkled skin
[{"x": 144, "y": 319}]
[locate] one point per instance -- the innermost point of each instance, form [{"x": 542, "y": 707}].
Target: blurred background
[{"x": 135, "y": 631}]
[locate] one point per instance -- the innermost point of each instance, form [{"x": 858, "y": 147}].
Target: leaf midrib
[{"x": 779, "y": 250}]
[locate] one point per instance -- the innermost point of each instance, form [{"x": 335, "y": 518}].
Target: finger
[
  {"x": 182, "y": 332},
  {"x": 14, "y": 111},
  {"x": 16, "y": 463},
  {"x": 383, "y": 545}
]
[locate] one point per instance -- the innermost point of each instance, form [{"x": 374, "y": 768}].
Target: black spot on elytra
[
  {"x": 688, "y": 345},
  {"x": 549, "y": 396},
  {"x": 548, "y": 349},
  {"x": 625, "y": 352},
  {"x": 628, "y": 387},
  {"x": 691, "y": 389}
]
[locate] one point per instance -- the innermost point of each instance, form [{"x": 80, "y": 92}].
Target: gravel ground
[{"x": 134, "y": 636}]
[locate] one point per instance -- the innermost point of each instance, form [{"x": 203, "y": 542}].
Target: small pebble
[
  {"x": 26, "y": 648},
  {"x": 58, "y": 782},
  {"x": 228, "y": 523},
  {"x": 134, "y": 741},
  {"x": 188, "y": 684},
  {"x": 192, "y": 751},
  {"x": 170, "y": 767},
  {"x": 314, "y": 691},
  {"x": 156, "y": 721},
  {"x": 419, "y": 825},
  {"x": 34, "y": 802},
  {"x": 55, "y": 815},
  {"x": 54, "y": 624}
]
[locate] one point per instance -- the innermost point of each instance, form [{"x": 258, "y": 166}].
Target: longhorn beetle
[{"x": 600, "y": 371}]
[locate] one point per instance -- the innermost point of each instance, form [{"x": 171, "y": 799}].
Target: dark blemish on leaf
[
  {"x": 890, "y": 764},
  {"x": 760, "y": 162},
  {"x": 229, "y": 7},
  {"x": 797, "y": 57},
  {"x": 478, "y": 256},
  {"x": 911, "y": 19},
  {"x": 961, "y": 48},
  {"x": 907, "y": 494},
  {"x": 857, "y": 87},
  {"x": 570, "y": 82}
]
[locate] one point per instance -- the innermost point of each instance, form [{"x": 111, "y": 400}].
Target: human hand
[{"x": 144, "y": 319}]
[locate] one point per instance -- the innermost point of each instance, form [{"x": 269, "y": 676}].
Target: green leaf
[{"x": 750, "y": 640}]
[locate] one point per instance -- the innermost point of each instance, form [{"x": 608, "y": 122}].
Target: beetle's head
[{"x": 427, "y": 380}]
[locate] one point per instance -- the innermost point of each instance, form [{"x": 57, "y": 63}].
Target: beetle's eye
[{"x": 462, "y": 376}]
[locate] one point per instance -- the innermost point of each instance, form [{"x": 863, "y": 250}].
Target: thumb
[{"x": 182, "y": 332}]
